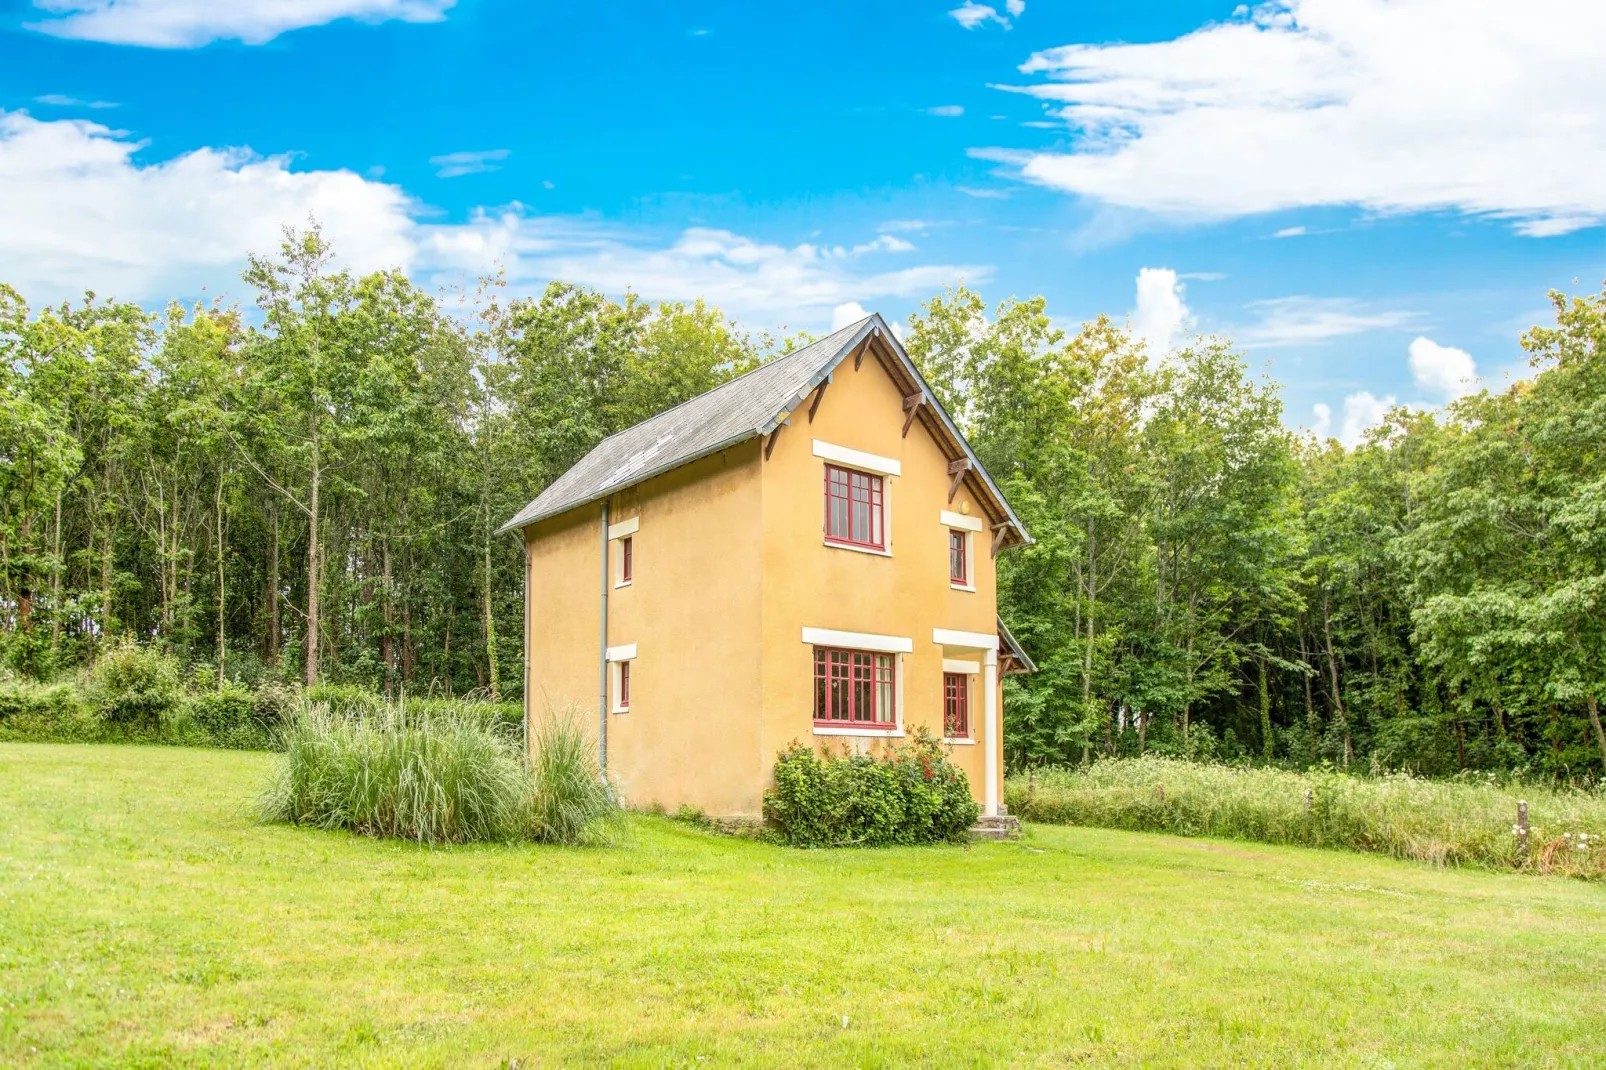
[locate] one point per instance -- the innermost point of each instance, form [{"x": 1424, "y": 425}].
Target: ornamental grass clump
[
  {"x": 911, "y": 794},
  {"x": 445, "y": 778},
  {"x": 570, "y": 802},
  {"x": 1446, "y": 823}
]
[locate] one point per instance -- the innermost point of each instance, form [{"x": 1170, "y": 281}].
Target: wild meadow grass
[
  {"x": 443, "y": 774},
  {"x": 1463, "y": 822}
]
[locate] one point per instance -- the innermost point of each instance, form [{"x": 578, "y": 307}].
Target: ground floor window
[
  {"x": 624, "y": 684},
  {"x": 955, "y": 705},
  {"x": 853, "y": 688}
]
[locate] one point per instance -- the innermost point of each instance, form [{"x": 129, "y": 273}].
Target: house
[{"x": 803, "y": 553}]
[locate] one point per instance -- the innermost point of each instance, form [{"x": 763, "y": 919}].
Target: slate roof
[{"x": 748, "y": 406}]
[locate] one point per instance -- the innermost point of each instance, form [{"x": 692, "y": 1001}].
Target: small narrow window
[
  {"x": 627, "y": 558},
  {"x": 955, "y": 705},
  {"x": 957, "y": 572},
  {"x": 624, "y": 676},
  {"x": 855, "y": 508}
]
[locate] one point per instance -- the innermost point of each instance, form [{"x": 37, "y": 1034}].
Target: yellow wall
[
  {"x": 730, "y": 566},
  {"x": 692, "y": 609},
  {"x": 811, "y": 584}
]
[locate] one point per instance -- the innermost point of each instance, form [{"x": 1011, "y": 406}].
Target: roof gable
[{"x": 757, "y": 403}]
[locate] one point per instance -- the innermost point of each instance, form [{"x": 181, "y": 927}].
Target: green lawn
[{"x": 146, "y": 920}]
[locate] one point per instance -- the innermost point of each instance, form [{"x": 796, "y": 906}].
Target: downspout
[{"x": 602, "y": 658}]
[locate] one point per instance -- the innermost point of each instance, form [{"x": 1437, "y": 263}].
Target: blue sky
[{"x": 1370, "y": 196}]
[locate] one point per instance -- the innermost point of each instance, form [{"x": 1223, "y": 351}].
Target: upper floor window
[
  {"x": 955, "y": 705},
  {"x": 957, "y": 571},
  {"x": 854, "y": 688},
  {"x": 624, "y": 680},
  {"x": 627, "y": 558},
  {"x": 855, "y": 508}
]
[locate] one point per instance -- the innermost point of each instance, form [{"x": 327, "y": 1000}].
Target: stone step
[{"x": 1002, "y": 827}]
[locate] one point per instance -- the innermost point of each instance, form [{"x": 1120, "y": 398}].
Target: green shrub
[
  {"x": 229, "y": 719},
  {"x": 570, "y": 801},
  {"x": 46, "y": 713},
  {"x": 135, "y": 686},
  {"x": 1460, "y": 822},
  {"x": 912, "y": 794}
]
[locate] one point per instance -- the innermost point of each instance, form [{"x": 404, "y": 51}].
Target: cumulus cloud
[
  {"x": 847, "y": 313},
  {"x": 78, "y": 211},
  {"x": 1324, "y": 419},
  {"x": 1478, "y": 106},
  {"x": 946, "y": 111},
  {"x": 455, "y": 164},
  {"x": 1160, "y": 317},
  {"x": 1362, "y": 411},
  {"x": 193, "y": 23},
  {"x": 971, "y": 14},
  {"x": 1445, "y": 370}
]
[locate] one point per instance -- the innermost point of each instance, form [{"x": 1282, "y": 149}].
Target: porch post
[{"x": 989, "y": 688}]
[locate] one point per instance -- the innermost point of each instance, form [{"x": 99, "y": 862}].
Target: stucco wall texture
[{"x": 730, "y": 565}]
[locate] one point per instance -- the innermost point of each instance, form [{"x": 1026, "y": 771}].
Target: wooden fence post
[{"x": 1522, "y": 828}]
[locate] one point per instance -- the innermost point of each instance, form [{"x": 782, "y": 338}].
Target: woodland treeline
[{"x": 310, "y": 493}]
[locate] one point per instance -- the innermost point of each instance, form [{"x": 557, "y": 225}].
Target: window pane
[{"x": 883, "y": 711}]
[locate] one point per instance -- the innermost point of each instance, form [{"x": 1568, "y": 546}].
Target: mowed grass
[{"x": 146, "y": 919}]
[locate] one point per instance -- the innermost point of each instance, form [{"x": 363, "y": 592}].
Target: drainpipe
[
  {"x": 989, "y": 685},
  {"x": 602, "y": 657}
]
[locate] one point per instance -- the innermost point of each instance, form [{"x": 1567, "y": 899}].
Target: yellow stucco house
[{"x": 803, "y": 553}]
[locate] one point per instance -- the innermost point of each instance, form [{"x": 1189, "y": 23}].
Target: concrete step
[{"x": 1002, "y": 827}]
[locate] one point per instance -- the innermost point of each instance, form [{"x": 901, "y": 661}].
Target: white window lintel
[
  {"x": 627, "y": 652},
  {"x": 969, "y": 668},
  {"x": 881, "y": 644},
  {"x": 970, "y": 640},
  {"x": 630, "y": 527},
  {"x": 960, "y": 521},
  {"x": 852, "y": 458}
]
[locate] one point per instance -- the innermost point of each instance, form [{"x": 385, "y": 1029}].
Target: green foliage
[
  {"x": 135, "y": 686},
  {"x": 911, "y": 794},
  {"x": 1467, "y": 821},
  {"x": 571, "y": 802},
  {"x": 230, "y": 718},
  {"x": 440, "y": 779}
]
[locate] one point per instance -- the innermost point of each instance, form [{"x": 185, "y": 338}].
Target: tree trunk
[
  {"x": 490, "y": 624},
  {"x": 1332, "y": 665},
  {"x": 312, "y": 562},
  {"x": 1267, "y": 745},
  {"x": 1087, "y": 649},
  {"x": 55, "y": 582},
  {"x": 108, "y": 540},
  {"x": 1600, "y": 734},
  {"x": 222, "y": 602},
  {"x": 272, "y": 648},
  {"x": 387, "y": 645}
]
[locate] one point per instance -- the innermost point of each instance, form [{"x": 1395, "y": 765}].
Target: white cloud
[
  {"x": 1290, "y": 232},
  {"x": 1324, "y": 420},
  {"x": 1478, "y": 106},
  {"x": 456, "y": 164},
  {"x": 1300, "y": 320},
  {"x": 1362, "y": 410},
  {"x": 848, "y": 313},
  {"x": 192, "y": 23},
  {"x": 971, "y": 15},
  {"x": 947, "y": 111},
  {"x": 61, "y": 100},
  {"x": 77, "y": 211},
  {"x": 1015, "y": 7},
  {"x": 984, "y": 194},
  {"x": 1447, "y": 371},
  {"x": 1160, "y": 317}
]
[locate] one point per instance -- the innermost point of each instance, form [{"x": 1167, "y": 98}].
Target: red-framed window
[
  {"x": 957, "y": 572},
  {"x": 624, "y": 685},
  {"x": 854, "y": 688},
  {"x": 855, "y": 508},
  {"x": 627, "y": 558},
  {"x": 955, "y": 705}
]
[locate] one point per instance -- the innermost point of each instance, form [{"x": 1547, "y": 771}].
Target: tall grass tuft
[
  {"x": 1446, "y": 823},
  {"x": 571, "y": 802}
]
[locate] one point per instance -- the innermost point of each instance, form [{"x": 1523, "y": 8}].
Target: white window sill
[
  {"x": 620, "y": 709},
  {"x": 858, "y": 549},
  {"x": 960, "y": 742},
  {"x": 870, "y": 733},
  {"x": 962, "y": 587},
  {"x": 622, "y": 583}
]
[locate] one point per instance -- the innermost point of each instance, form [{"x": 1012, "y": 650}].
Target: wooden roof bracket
[
  {"x": 999, "y": 531},
  {"x": 911, "y": 405},
  {"x": 957, "y": 470},
  {"x": 858, "y": 356},
  {"x": 769, "y": 447},
  {"x": 819, "y": 392}
]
